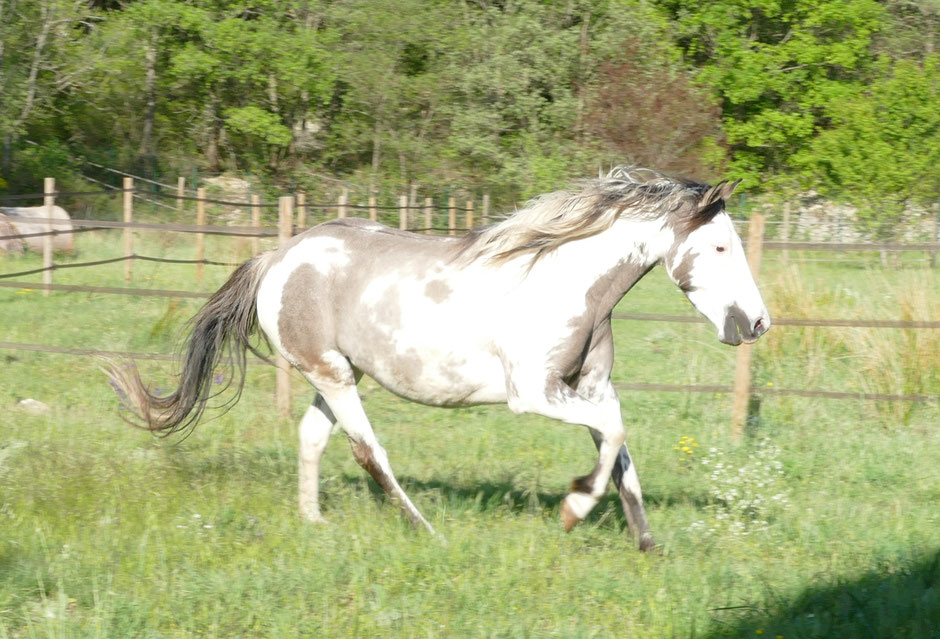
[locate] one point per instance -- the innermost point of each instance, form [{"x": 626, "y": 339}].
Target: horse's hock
[{"x": 19, "y": 219}]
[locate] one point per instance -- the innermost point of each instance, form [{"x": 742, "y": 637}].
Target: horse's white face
[{"x": 711, "y": 268}]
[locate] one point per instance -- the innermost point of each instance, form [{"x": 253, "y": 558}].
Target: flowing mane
[{"x": 551, "y": 220}]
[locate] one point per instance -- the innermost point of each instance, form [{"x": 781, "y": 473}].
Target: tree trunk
[
  {"x": 275, "y": 108},
  {"x": 6, "y": 162},
  {"x": 212, "y": 146},
  {"x": 582, "y": 73},
  {"x": 150, "y": 89},
  {"x": 31, "y": 79}
]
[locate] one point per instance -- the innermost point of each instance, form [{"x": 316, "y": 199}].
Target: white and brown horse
[{"x": 517, "y": 313}]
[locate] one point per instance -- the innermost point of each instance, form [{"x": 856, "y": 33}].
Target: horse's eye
[{"x": 720, "y": 249}]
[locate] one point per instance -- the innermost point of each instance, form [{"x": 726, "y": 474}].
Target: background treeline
[{"x": 514, "y": 96}]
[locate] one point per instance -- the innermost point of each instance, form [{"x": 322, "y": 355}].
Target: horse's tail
[{"x": 222, "y": 328}]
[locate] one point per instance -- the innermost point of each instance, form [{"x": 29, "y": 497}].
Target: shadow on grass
[
  {"x": 488, "y": 497},
  {"x": 900, "y": 601},
  {"x": 281, "y": 465}
]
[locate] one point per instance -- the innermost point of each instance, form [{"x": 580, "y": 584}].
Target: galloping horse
[{"x": 517, "y": 313}]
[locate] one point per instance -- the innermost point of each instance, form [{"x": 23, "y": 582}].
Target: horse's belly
[{"x": 439, "y": 378}]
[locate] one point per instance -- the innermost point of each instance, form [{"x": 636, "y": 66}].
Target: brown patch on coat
[
  {"x": 682, "y": 272},
  {"x": 363, "y": 454},
  {"x": 300, "y": 325},
  {"x": 437, "y": 291},
  {"x": 568, "y": 357},
  {"x": 585, "y": 483}
]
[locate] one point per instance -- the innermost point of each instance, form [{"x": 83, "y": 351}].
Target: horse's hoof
[
  {"x": 314, "y": 518},
  {"x": 646, "y": 542},
  {"x": 568, "y": 519}
]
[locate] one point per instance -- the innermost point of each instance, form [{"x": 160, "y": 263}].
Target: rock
[
  {"x": 33, "y": 406},
  {"x": 227, "y": 187},
  {"x": 10, "y": 245},
  {"x": 65, "y": 241}
]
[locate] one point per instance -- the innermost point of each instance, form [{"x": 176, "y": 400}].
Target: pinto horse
[{"x": 517, "y": 313}]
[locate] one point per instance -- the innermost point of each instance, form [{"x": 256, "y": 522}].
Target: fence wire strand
[{"x": 124, "y": 258}]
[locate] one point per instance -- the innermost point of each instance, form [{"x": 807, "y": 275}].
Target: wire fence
[{"x": 291, "y": 223}]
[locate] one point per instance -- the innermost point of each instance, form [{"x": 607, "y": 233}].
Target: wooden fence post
[
  {"x": 469, "y": 218},
  {"x": 301, "y": 211},
  {"x": 343, "y": 200},
  {"x": 48, "y": 201},
  {"x": 180, "y": 192},
  {"x": 285, "y": 221},
  {"x": 256, "y": 223},
  {"x": 451, "y": 216},
  {"x": 128, "y": 218},
  {"x": 933, "y": 254},
  {"x": 200, "y": 237},
  {"x": 486, "y": 209},
  {"x": 428, "y": 216},
  {"x": 373, "y": 212},
  {"x": 403, "y": 212},
  {"x": 742, "y": 370},
  {"x": 786, "y": 232}
]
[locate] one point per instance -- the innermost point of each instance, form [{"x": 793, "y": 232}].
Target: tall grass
[{"x": 872, "y": 360}]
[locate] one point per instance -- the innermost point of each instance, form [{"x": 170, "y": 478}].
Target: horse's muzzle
[{"x": 739, "y": 328}]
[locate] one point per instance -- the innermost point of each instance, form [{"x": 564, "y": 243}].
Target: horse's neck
[{"x": 607, "y": 265}]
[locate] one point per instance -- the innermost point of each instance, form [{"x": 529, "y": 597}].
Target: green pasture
[{"x": 107, "y": 531}]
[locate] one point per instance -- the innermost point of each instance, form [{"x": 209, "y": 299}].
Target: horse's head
[{"x": 708, "y": 263}]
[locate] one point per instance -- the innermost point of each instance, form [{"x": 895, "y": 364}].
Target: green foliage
[
  {"x": 775, "y": 67},
  {"x": 257, "y": 123},
  {"x": 35, "y": 162},
  {"x": 512, "y": 97},
  {"x": 883, "y": 146}
]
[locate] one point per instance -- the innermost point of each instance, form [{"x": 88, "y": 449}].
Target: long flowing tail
[{"x": 221, "y": 329}]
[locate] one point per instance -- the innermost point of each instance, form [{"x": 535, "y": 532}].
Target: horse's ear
[
  {"x": 712, "y": 195},
  {"x": 728, "y": 189},
  {"x": 720, "y": 191}
]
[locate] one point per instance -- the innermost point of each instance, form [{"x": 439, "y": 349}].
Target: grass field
[{"x": 834, "y": 530}]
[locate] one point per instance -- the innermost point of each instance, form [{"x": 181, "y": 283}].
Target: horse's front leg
[
  {"x": 555, "y": 399},
  {"x": 597, "y": 387}
]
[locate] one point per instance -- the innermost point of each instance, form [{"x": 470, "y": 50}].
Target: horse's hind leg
[
  {"x": 347, "y": 407},
  {"x": 315, "y": 429}
]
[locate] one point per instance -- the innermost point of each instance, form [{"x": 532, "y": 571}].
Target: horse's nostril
[{"x": 759, "y": 326}]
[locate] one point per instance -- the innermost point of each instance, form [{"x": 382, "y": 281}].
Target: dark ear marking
[
  {"x": 712, "y": 195},
  {"x": 710, "y": 204},
  {"x": 728, "y": 189}
]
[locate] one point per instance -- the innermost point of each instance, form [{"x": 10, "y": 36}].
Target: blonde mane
[{"x": 551, "y": 220}]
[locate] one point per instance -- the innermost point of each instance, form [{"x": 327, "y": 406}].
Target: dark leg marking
[
  {"x": 364, "y": 455},
  {"x": 632, "y": 507}
]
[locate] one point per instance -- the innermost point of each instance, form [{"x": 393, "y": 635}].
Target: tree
[
  {"x": 35, "y": 38},
  {"x": 882, "y": 149},
  {"x": 776, "y": 66}
]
